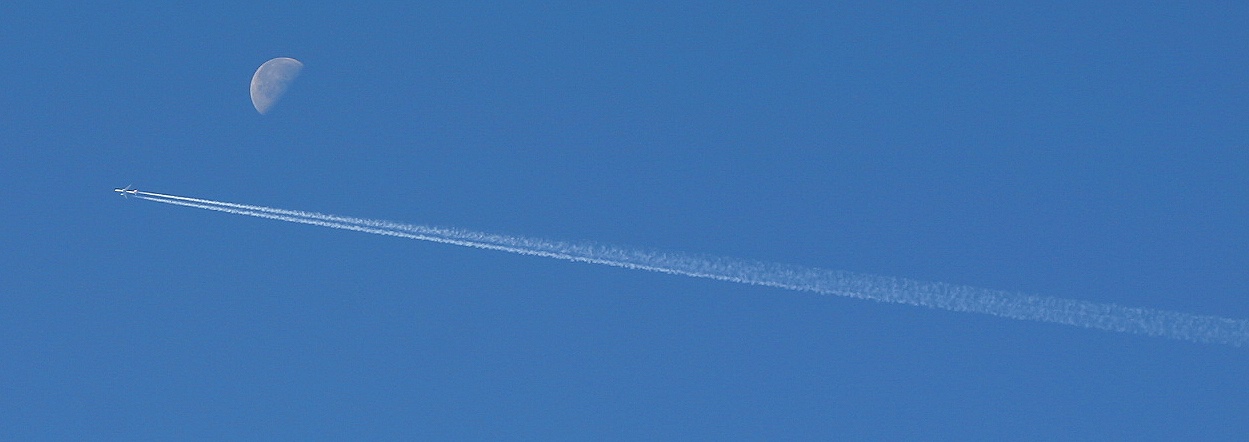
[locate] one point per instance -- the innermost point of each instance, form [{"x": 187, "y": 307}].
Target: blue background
[{"x": 1087, "y": 151}]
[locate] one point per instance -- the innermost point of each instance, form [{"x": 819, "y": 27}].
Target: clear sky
[{"x": 1088, "y": 152}]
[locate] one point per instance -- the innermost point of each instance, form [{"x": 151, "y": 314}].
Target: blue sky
[{"x": 1087, "y": 152}]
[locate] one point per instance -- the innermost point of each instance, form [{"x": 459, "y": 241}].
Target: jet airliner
[{"x": 126, "y": 191}]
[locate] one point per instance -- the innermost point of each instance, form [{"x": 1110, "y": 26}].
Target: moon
[{"x": 271, "y": 81}]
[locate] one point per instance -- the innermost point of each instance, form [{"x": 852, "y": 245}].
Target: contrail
[{"x": 1112, "y": 317}]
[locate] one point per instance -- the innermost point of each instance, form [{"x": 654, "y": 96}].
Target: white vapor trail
[{"x": 1112, "y": 317}]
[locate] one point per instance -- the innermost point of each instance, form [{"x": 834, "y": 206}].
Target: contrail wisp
[{"x": 1168, "y": 324}]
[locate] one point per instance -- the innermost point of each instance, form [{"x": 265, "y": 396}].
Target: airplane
[{"x": 126, "y": 191}]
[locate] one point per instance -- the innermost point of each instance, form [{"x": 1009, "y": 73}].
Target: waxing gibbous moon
[{"x": 271, "y": 81}]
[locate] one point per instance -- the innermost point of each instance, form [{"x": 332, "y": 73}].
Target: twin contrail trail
[{"x": 1168, "y": 324}]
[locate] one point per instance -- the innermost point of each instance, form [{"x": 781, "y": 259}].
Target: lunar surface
[{"x": 271, "y": 81}]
